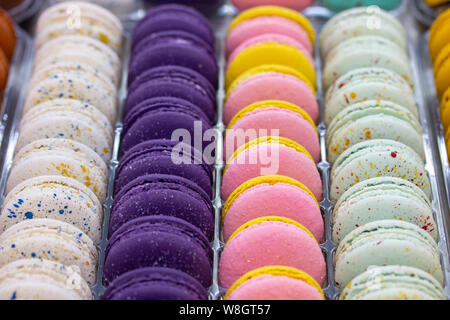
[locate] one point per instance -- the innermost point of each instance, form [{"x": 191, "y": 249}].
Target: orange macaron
[{"x": 8, "y": 34}]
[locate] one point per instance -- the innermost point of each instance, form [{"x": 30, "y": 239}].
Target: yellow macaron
[
  {"x": 269, "y": 53},
  {"x": 281, "y": 271},
  {"x": 275, "y": 11},
  {"x": 445, "y": 109},
  {"x": 439, "y": 34},
  {"x": 442, "y": 70},
  {"x": 433, "y": 3},
  {"x": 267, "y": 68},
  {"x": 271, "y": 180}
]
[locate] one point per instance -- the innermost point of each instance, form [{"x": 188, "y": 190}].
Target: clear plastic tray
[{"x": 25, "y": 10}]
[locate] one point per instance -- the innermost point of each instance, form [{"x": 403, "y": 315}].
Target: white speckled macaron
[
  {"x": 53, "y": 197},
  {"x": 34, "y": 279},
  {"x": 51, "y": 240}
]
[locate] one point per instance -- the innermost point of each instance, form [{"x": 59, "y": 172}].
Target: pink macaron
[
  {"x": 292, "y": 4},
  {"x": 263, "y": 25},
  {"x": 263, "y": 118},
  {"x": 271, "y": 82},
  {"x": 273, "y": 38},
  {"x": 269, "y": 156},
  {"x": 271, "y": 241},
  {"x": 272, "y": 196}
]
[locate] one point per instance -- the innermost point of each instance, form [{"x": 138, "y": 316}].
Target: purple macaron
[
  {"x": 174, "y": 17},
  {"x": 155, "y": 156},
  {"x": 155, "y": 283},
  {"x": 159, "y": 194},
  {"x": 173, "y": 81},
  {"x": 159, "y": 241},
  {"x": 174, "y": 48},
  {"x": 159, "y": 118}
]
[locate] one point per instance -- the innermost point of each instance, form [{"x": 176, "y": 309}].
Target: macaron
[
  {"x": 270, "y": 241},
  {"x": 67, "y": 119},
  {"x": 54, "y": 197},
  {"x": 34, "y": 279},
  {"x": 393, "y": 283},
  {"x": 445, "y": 109},
  {"x": 159, "y": 118},
  {"x": 270, "y": 82},
  {"x": 362, "y": 21},
  {"x": 148, "y": 196},
  {"x": 439, "y": 34},
  {"x": 173, "y": 81},
  {"x": 63, "y": 158},
  {"x": 272, "y": 196},
  {"x": 373, "y": 120},
  {"x": 384, "y": 243},
  {"x": 269, "y": 156},
  {"x": 441, "y": 69},
  {"x": 264, "y": 117},
  {"x": 155, "y": 283},
  {"x": 298, "y": 5},
  {"x": 155, "y": 156},
  {"x": 8, "y": 32},
  {"x": 4, "y": 71},
  {"x": 158, "y": 241},
  {"x": 80, "y": 18},
  {"x": 269, "y": 19},
  {"x": 377, "y": 158},
  {"x": 178, "y": 48},
  {"x": 339, "y": 5},
  {"x": 171, "y": 17},
  {"x": 51, "y": 240},
  {"x": 381, "y": 199},
  {"x": 275, "y": 283},
  {"x": 364, "y": 52},
  {"x": 368, "y": 84},
  {"x": 82, "y": 49}
]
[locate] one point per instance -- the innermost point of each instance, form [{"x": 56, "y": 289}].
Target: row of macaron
[
  {"x": 162, "y": 219},
  {"x": 7, "y": 45},
  {"x": 53, "y": 211},
  {"x": 379, "y": 184},
  {"x": 272, "y": 223},
  {"x": 439, "y": 47}
]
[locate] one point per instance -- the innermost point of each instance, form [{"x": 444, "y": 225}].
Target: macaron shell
[
  {"x": 270, "y": 85},
  {"x": 439, "y": 39},
  {"x": 274, "y": 196},
  {"x": 7, "y": 30},
  {"x": 375, "y": 158},
  {"x": 54, "y": 197},
  {"x": 442, "y": 69},
  {"x": 270, "y": 243},
  {"x": 269, "y": 53},
  {"x": 298, "y": 5},
  {"x": 4, "y": 71},
  {"x": 264, "y": 118},
  {"x": 271, "y": 158}
]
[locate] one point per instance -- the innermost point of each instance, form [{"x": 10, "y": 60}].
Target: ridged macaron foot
[
  {"x": 158, "y": 241},
  {"x": 362, "y": 21},
  {"x": 373, "y": 119},
  {"x": 159, "y": 118},
  {"x": 51, "y": 240},
  {"x": 148, "y": 196},
  {"x": 275, "y": 283},
  {"x": 263, "y": 19},
  {"x": 262, "y": 118},
  {"x": 173, "y": 17},
  {"x": 275, "y": 196},
  {"x": 364, "y": 52},
  {"x": 269, "y": 156},
  {"x": 83, "y": 49},
  {"x": 67, "y": 119},
  {"x": 380, "y": 199},
  {"x": 155, "y": 156},
  {"x": 386, "y": 242},
  {"x": 54, "y": 197},
  {"x": 34, "y": 279},
  {"x": 377, "y": 158},
  {"x": 368, "y": 84},
  {"x": 173, "y": 81},
  {"x": 271, "y": 82},
  {"x": 80, "y": 18},
  {"x": 270, "y": 241},
  {"x": 155, "y": 283},
  {"x": 174, "y": 48},
  {"x": 393, "y": 283},
  {"x": 63, "y": 158}
]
